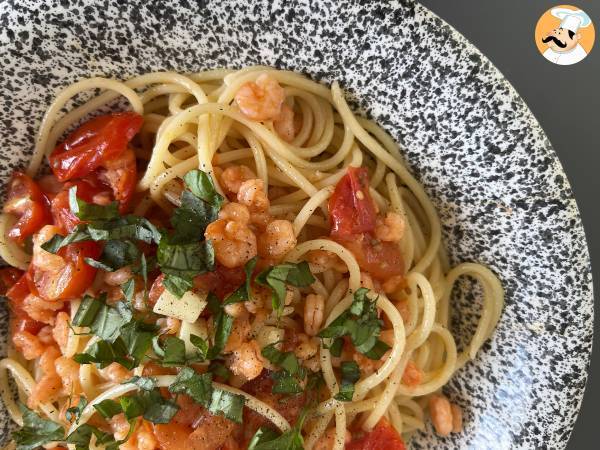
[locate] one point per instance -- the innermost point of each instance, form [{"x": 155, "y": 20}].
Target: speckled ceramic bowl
[{"x": 503, "y": 197}]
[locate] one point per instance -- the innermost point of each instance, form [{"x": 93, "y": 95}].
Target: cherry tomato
[
  {"x": 121, "y": 175},
  {"x": 93, "y": 144},
  {"x": 72, "y": 280},
  {"x": 26, "y": 200},
  {"x": 61, "y": 211},
  {"x": 353, "y": 218},
  {"x": 20, "y": 320},
  {"x": 172, "y": 435},
  {"x": 383, "y": 436},
  {"x": 351, "y": 208},
  {"x": 9, "y": 276},
  {"x": 381, "y": 260}
]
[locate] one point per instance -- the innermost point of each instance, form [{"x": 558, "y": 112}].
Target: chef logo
[{"x": 564, "y": 35}]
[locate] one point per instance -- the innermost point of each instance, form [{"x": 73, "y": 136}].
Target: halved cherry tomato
[
  {"x": 121, "y": 175},
  {"x": 93, "y": 144},
  {"x": 71, "y": 280},
  {"x": 9, "y": 276},
  {"x": 172, "y": 435},
  {"x": 381, "y": 259},
  {"x": 351, "y": 208},
  {"x": 353, "y": 217},
  {"x": 20, "y": 320},
  {"x": 382, "y": 437},
  {"x": 61, "y": 211},
  {"x": 26, "y": 200}
]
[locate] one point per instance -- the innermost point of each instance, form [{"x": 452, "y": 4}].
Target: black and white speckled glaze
[{"x": 502, "y": 195}]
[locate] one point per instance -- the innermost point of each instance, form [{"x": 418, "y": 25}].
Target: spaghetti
[{"x": 288, "y": 175}]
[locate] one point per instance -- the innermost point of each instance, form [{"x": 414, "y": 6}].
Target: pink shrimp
[{"x": 262, "y": 99}]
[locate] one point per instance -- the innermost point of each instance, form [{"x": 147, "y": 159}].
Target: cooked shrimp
[
  {"x": 252, "y": 194},
  {"x": 239, "y": 333},
  {"x": 284, "y": 124},
  {"x": 307, "y": 347},
  {"x": 28, "y": 345},
  {"x": 246, "y": 360},
  {"x": 141, "y": 439},
  {"x": 390, "y": 228},
  {"x": 45, "y": 335},
  {"x": 262, "y": 99},
  {"x": 60, "y": 332},
  {"x": 68, "y": 371},
  {"x": 322, "y": 260},
  {"x": 234, "y": 243},
  {"x": 236, "y": 212},
  {"x": 233, "y": 177},
  {"x": 441, "y": 414},
  {"x": 41, "y": 310},
  {"x": 314, "y": 310},
  {"x": 116, "y": 373},
  {"x": 48, "y": 387},
  {"x": 118, "y": 277},
  {"x": 277, "y": 239},
  {"x": 412, "y": 376}
]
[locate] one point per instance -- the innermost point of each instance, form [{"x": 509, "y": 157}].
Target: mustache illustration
[{"x": 556, "y": 41}]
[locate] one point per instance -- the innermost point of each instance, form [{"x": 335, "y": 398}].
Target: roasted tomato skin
[
  {"x": 73, "y": 279},
  {"x": 101, "y": 146},
  {"x": 26, "y": 200},
  {"x": 351, "y": 208},
  {"x": 353, "y": 220},
  {"x": 20, "y": 320},
  {"x": 382, "y": 437}
]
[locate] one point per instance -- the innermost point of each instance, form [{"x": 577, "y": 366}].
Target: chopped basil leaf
[
  {"x": 174, "y": 352},
  {"x": 104, "y": 321},
  {"x": 227, "y": 404},
  {"x": 288, "y": 380},
  {"x": 144, "y": 383},
  {"x": 262, "y": 436},
  {"x": 104, "y": 353},
  {"x": 83, "y": 434},
  {"x": 157, "y": 409},
  {"x": 284, "y": 383},
  {"x": 242, "y": 293},
  {"x": 290, "y": 440},
  {"x": 128, "y": 289},
  {"x": 185, "y": 260},
  {"x": 57, "y": 241},
  {"x": 361, "y": 323},
  {"x": 177, "y": 285},
  {"x": 277, "y": 277},
  {"x": 336, "y": 347},
  {"x": 350, "y": 375},
  {"x": 132, "y": 407},
  {"x": 220, "y": 370},
  {"x": 200, "y": 388},
  {"x": 36, "y": 431},
  {"x": 108, "y": 408},
  {"x": 192, "y": 217},
  {"x": 201, "y": 185},
  {"x": 223, "y": 326},
  {"x": 197, "y": 386},
  {"x": 286, "y": 360},
  {"x": 137, "y": 338},
  {"x": 74, "y": 412},
  {"x": 126, "y": 227},
  {"x": 200, "y": 344},
  {"x": 97, "y": 264},
  {"x": 120, "y": 253},
  {"x": 90, "y": 211}
]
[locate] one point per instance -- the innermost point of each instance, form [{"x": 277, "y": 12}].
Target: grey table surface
[{"x": 566, "y": 102}]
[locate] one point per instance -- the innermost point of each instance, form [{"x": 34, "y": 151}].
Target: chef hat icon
[{"x": 570, "y": 19}]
